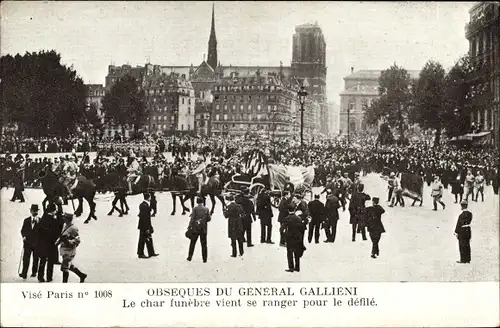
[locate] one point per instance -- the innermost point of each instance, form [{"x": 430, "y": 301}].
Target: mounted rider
[
  {"x": 200, "y": 173},
  {"x": 134, "y": 170}
]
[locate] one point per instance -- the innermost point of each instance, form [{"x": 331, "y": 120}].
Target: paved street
[{"x": 419, "y": 246}]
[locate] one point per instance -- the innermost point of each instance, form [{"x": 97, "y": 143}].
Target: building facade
[
  {"x": 307, "y": 68},
  {"x": 170, "y": 100},
  {"x": 483, "y": 33},
  {"x": 360, "y": 89},
  {"x": 262, "y": 104}
]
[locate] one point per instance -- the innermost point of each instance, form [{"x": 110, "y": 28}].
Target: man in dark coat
[
  {"x": 265, "y": 213},
  {"x": 30, "y": 242},
  {"x": 317, "y": 211},
  {"x": 331, "y": 217},
  {"x": 294, "y": 236},
  {"x": 145, "y": 229},
  {"x": 283, "y": 213},
  {"x": 18, "y": 171},
  {"x": 357, "y": 211},
  {"x": 374, "y": 225},
  {"x": 48, "y": 229},
  {"x": 234, "y": 213},
  {"x": 249, "y": 214},
  {"x": 463, "y": 233},
  {"x": 198, "y": 224}
]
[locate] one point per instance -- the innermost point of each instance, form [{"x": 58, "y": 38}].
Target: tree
[
  {"x": 429, "y": 108},
  {"x": 385, "y": 136},
  {"x": 394, "y": 99},
  {"x": 40, "y": 95},
  {"x": 93, "y": 119},
  {"x": 467, "y": 90},
  {"x": 125, "y": 104}
]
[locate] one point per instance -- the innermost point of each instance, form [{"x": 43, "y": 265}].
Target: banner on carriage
[
  {"x": 299, "y": 175},
  {"x": 256, "y": 163},
  {"x": 412, "y": 185}
]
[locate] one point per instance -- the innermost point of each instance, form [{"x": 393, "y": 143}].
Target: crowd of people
[{"x": 338, "y": 165}]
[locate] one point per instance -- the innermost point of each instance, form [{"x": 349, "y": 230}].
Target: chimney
[{"x": 352, "y": 69}]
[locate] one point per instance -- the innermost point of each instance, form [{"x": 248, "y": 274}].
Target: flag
[
  {"x": 299, "y": 175},
  {"x": 412, "y": 185},
  {"x": 255, "y": 162}
]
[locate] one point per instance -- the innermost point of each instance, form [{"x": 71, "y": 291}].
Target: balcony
[{"x": 489, "y": 17}]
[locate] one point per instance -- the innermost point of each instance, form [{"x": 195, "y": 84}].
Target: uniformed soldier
[
  {"x": 463, "y": 233},
  {"x": 69, "y": 241}
]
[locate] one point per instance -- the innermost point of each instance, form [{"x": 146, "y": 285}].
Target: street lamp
[
  {"x": 348, "y": 122},
  {"x": 302, "y": 100}
]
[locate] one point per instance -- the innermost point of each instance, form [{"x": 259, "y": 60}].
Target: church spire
[{"x": 212, "y": 43}]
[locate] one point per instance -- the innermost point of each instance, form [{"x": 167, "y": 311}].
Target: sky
[{"x": 364, "y": 35}]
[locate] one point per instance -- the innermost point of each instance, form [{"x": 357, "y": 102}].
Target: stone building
[
  {"x": 307, "y": 68},
  {"x": 264, "y": 104},
  {"x": 360, "y": 88},
  {"x": 171, "y": 103},
  {"x": 483, "y": 33}
]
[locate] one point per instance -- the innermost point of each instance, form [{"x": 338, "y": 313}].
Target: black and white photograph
[{"x": 246, "y": 142}]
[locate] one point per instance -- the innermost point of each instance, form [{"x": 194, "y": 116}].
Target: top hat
[
  {"x": 34, "y": 208},
  {"x": 51, "y": 207},
  {"x": 375, "y": 199}
]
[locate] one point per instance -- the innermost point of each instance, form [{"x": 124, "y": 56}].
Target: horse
[
  {"x": 213, "y": 189},
  {"x": 53, "y": 188},
  {"x": 182, "y": 187}
]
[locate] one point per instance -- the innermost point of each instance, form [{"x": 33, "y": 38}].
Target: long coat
[
  {"x": 202, "y": 214},
  {"x": 332, "y": 205},
  {"x": 144, "y": 217},
  {"x": 374, "y": 219},
  {"x": 234, "y": 214},
  {"x": 294, "y": 231},
  {"x": 264, "y": 208},
  {"x": 358, "y": 208},
  {"x": 47, "y": 235}
]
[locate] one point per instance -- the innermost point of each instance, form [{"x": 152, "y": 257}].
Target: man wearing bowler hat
[
  {"x": 374, "y": 225},
  {"x": 30, "y": 241}
]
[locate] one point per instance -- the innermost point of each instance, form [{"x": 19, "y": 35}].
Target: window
[
  {"x": 189, "y": 127},
  {"x": 225, "y": 107},
  {"x": 352, "y": 104},
  {"x": 217, "y": 117},
  {"x": 182, "y": 127},
  {"x": 189, "y": 110},
  {"x": 164, "y": 126},
  {"x": 268, "y": 108},
  {"x": 241, "y": 107},
  {"x": 258, "y": 107},
  {"x": 182, "y": 100},
  {"x": 249, "y": 107},
  {"x": 225, "y": 98},
  {"x": 165, "y": 117},
  {"x": 189, "y": 101},
  {"x": 217, "y": 107},
  {"x": 234, "y": 107},
  {"x": 225, "y": 117}
]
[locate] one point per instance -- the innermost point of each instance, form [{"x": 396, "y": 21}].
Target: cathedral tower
[{"x": 212, "y": 43}]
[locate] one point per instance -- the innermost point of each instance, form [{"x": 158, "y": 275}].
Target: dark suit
[
  {"x": 199, "y": 219},
  {"x": 48, "y": 229},
  {"x": 331, "y": 217},
  {"x": 375, "y": 226},
  {"x": 317, "y": 211},
  {"x": 294, "y": 236},
  {"x": 30, "y": 237},
  {"x": 145, "y": 230},
  {"x": 265, "y": 213},
  {"x": 249, "y": 214},
  {"x": 357, "y": 211},
  {"x": 283, "y": 213},
  {"x": 234, "y": 213},
  {"x": 464, "y": 236}
]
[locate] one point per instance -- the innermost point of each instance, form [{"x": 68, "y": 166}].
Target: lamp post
[
  {"x": 302, "y": 99},
  {"x": 348, "y": 123}
]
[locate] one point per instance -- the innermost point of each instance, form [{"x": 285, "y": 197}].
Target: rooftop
[{"x": 373, "y": 74}]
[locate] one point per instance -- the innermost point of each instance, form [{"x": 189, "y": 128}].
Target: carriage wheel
[{"x": 256, "y": 189}]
